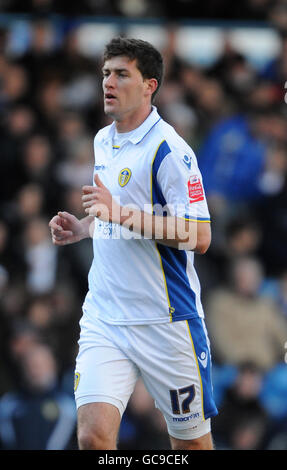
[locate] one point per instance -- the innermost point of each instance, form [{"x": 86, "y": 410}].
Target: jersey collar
[{"x": 140, "y": 132}]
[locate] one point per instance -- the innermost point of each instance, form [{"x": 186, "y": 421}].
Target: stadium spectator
[
  {"x": 37, "y": 415},
  {"x": 231, "y": 159},
  {"x": 242, "y": 422},
  {"x": 245, "y": 326},
  {"x": 40, "y": 256},
  {"x": 270, "y": 212}
]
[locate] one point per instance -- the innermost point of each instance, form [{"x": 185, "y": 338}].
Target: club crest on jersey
[
  {"x": 124, "y": 177},
  {"x": 76, "y": 380}
]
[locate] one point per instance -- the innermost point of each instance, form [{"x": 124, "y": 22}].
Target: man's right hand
[{"x": 67, "y": 229}]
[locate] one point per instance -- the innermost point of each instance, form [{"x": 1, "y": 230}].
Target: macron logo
[
  {"x": 100, "y": 167},
  {"x": 187, "y": 161},
  {"x": 203, "y": 359}
]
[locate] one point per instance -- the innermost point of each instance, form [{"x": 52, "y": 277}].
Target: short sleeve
[{"x": 181, "y": 185}]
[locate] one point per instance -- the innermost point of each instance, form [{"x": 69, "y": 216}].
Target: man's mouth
[{"x": 109, "y": 97}]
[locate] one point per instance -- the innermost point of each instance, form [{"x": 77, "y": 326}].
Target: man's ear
[{"x": 151, "y": 85}]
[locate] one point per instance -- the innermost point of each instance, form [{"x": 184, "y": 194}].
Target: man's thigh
[
  {"x": 204, "y": 442},
  {"x": 103, "y": 372},
  {"x": 174, "y": 361},
  {"x": 98, "y": 426}
]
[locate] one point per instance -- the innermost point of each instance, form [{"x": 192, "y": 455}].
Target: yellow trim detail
[
  {"x": 171, "y": 309},
  {"x": 196, "y": 220},
  {"x": 201, "y": 390}
]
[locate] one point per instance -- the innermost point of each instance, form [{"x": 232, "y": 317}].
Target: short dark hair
[{"x": 149, "y": 59}]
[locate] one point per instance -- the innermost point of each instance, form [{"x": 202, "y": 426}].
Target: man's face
[{"x": 125, "y": 89}]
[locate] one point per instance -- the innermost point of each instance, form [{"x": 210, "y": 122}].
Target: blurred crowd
[
  {"x": 234, "y": 118},
  {"x": 215, "y": 9}
]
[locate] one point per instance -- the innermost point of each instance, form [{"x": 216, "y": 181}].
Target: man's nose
[{"x": 110, "y": 81}]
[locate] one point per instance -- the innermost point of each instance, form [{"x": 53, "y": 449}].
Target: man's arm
[
  {"x": 203, "y": 237},
  {"x": 176, "y": 232},
  {"x": 67, "y": 229}
]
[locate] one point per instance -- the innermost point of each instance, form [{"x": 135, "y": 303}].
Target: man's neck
[{"x": 133, "y": 121}]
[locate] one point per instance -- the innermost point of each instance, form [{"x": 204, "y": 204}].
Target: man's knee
[
  {"x": 92, "y": 439},
  {"x": 202, "y": 443},
  {"x": 86, "y": 439}
]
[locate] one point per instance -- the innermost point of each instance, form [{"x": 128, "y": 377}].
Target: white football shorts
[{"x": 173, "y": 360}]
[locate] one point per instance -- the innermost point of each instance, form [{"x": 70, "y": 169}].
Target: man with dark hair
[
  {"x": 149, "y": 60},
  {"x": 147, "y": 215}
]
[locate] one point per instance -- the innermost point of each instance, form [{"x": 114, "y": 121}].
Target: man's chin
[{"x": 110, "y": 112}]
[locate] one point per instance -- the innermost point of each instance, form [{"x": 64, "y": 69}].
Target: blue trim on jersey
[
  {"x": 181, "y": 297},
  {"x": 162, "y": 151},
  {"x": 198, "y": 219},
  {"x": 201, "y": 350},
  {"x": 148, "y": 131},
  {"x": 182, "y": 300}
]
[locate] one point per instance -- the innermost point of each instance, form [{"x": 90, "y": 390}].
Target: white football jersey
[{"x": 135, "y": 280}]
